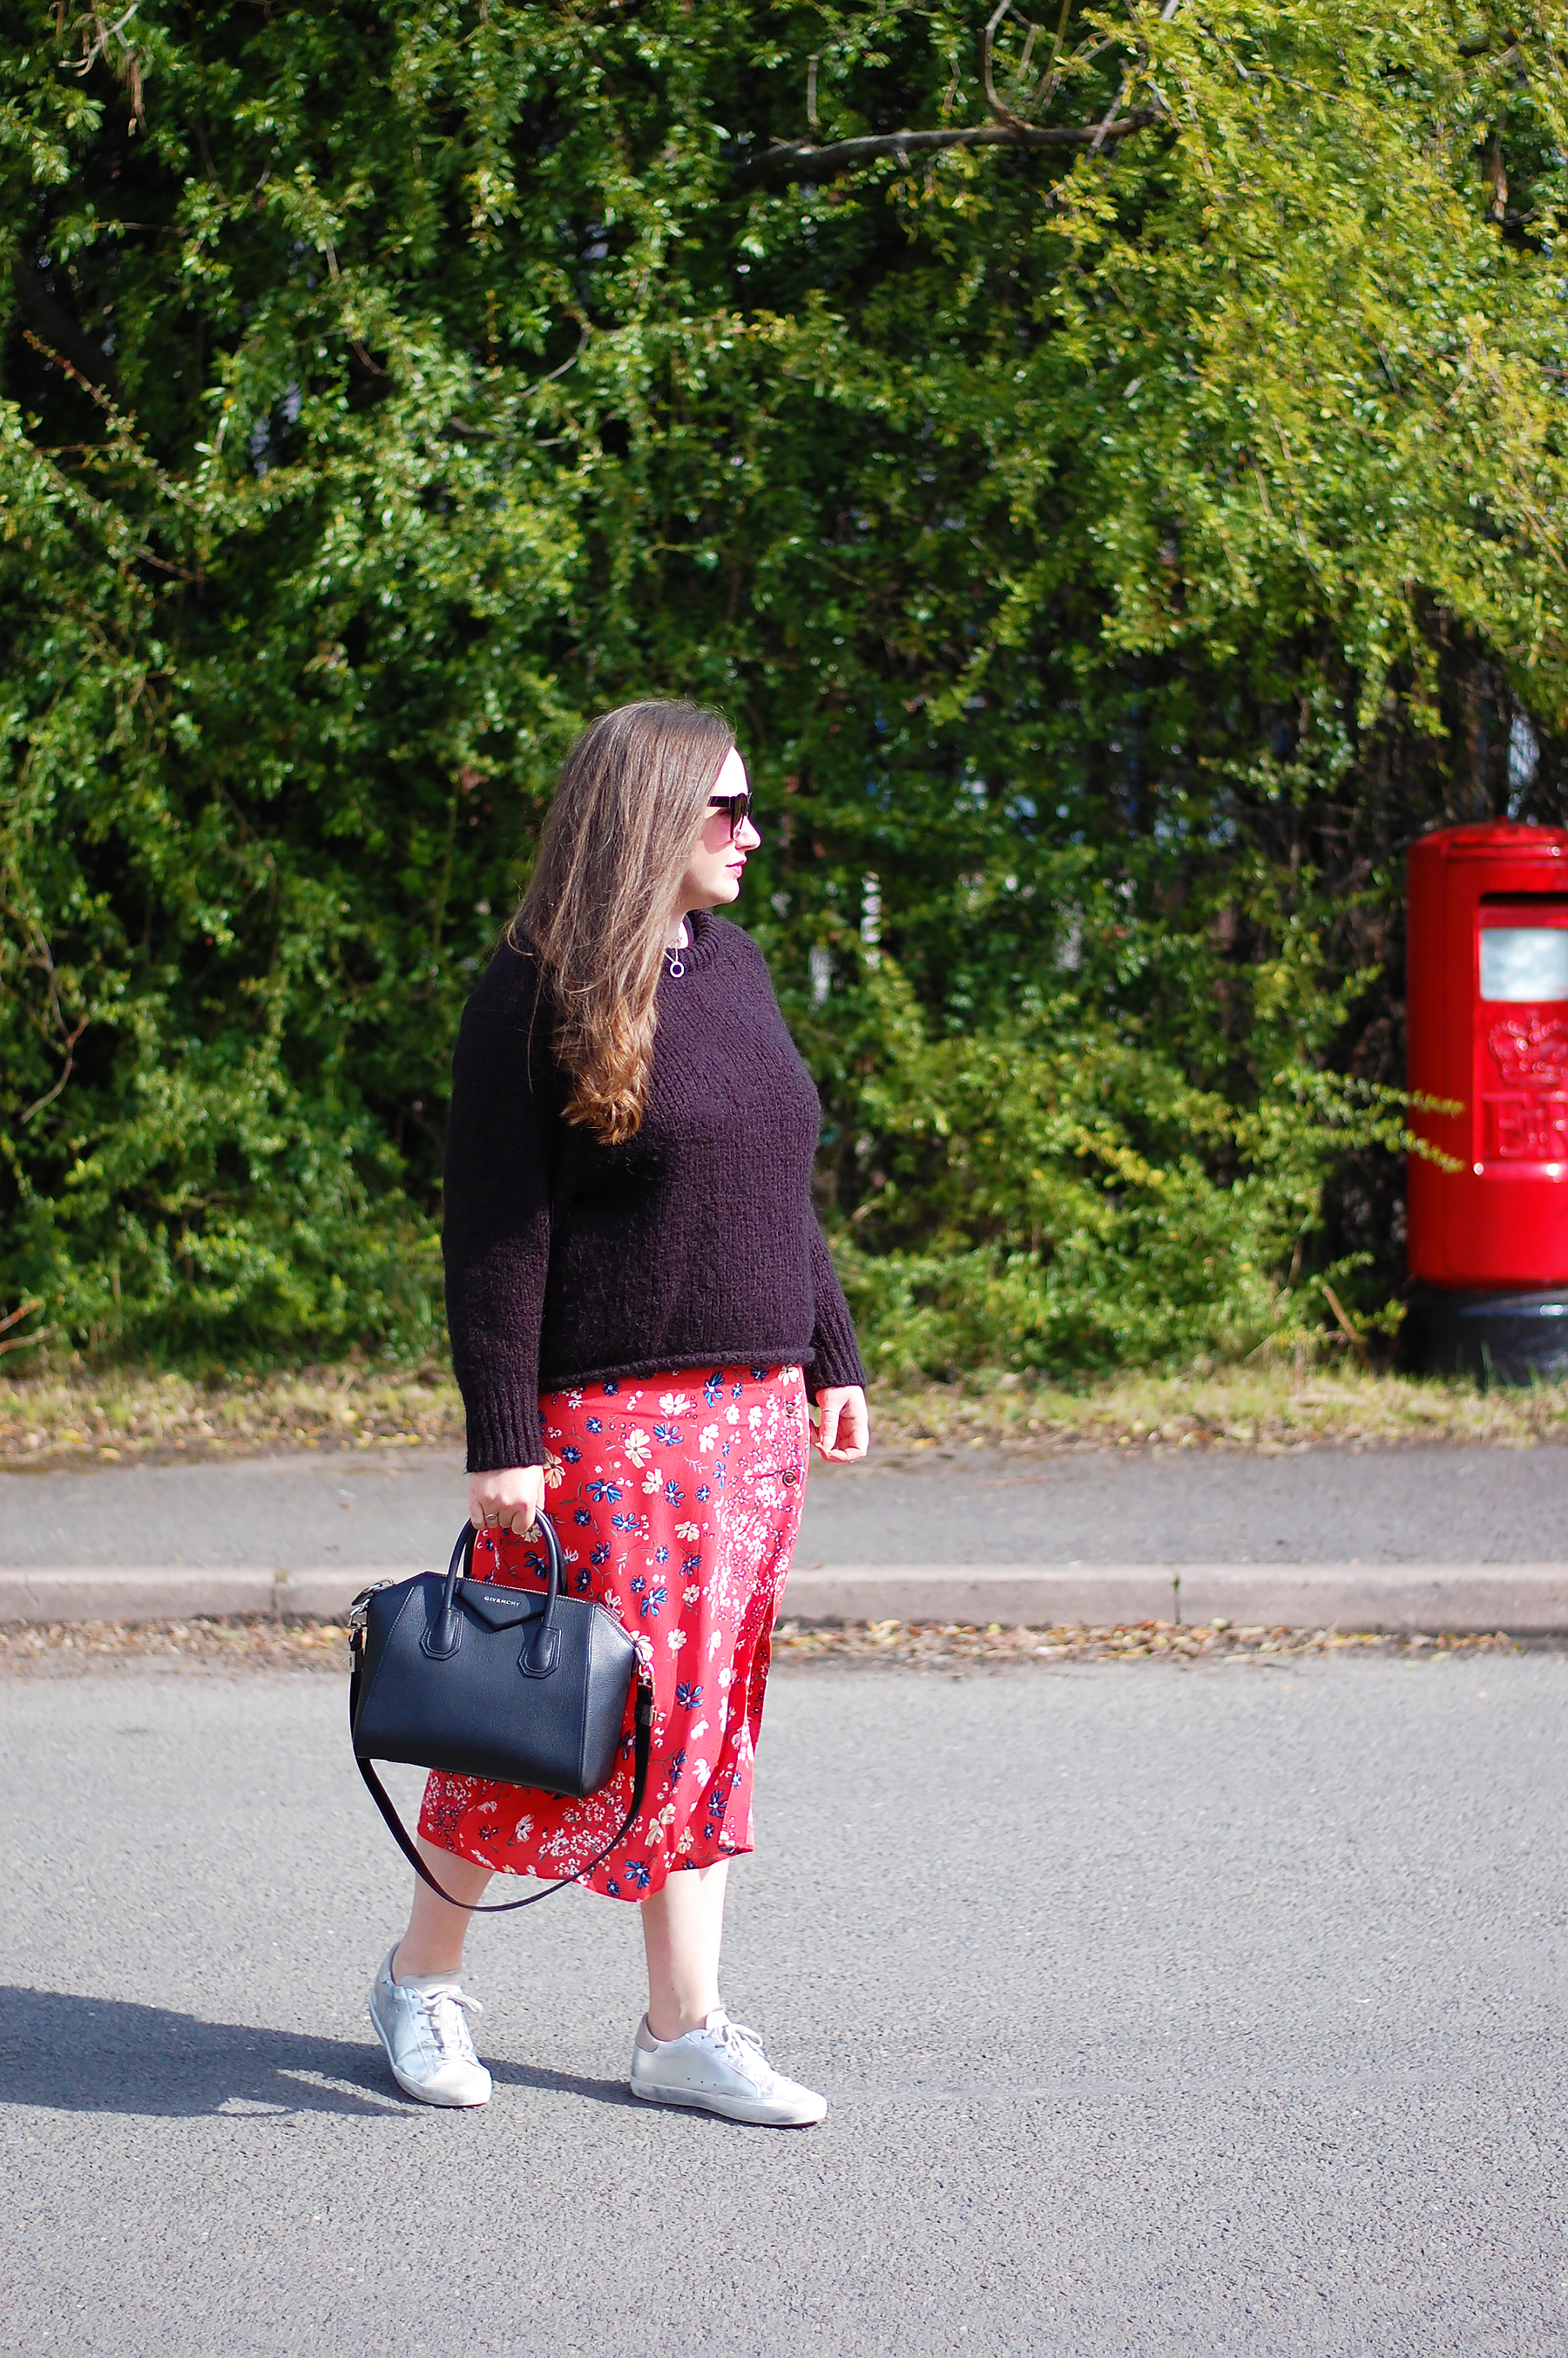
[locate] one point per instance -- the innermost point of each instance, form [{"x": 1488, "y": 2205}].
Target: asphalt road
[
  {"x": 1437, "y": 1505},
  {"x": 1202, "y": 2010}
]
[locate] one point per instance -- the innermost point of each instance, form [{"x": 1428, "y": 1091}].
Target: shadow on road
[{"x": 104, "y": 2055}]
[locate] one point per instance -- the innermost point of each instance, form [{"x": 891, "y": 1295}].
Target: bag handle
[
  {"x": 548, "y": 1645},
  {"x": 542, "y": 1644}
]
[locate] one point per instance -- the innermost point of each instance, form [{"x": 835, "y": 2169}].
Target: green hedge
[{"x": 1111, "y": 553}]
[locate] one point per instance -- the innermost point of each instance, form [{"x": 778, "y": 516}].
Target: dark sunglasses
[{"x": 738, "y": 806}]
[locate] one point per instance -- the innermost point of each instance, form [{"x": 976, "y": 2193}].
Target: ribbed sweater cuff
[
  {"x": 503, "y": 1431},
  {"x": 835, "y": 1362}
]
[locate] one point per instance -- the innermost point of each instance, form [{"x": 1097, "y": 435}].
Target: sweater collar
[{"x": 704, "y": 945}]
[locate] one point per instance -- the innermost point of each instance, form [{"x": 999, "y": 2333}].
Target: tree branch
[
  {"x": 23, "y": 1342},
  {"x": 56, "y": 324},
  {"x": 1004, "y": 114},
  {"x": 798, "y": 160},
  {"x": 43, "y": 957}
]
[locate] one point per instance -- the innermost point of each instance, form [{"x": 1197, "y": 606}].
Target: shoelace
[
  {"x": 743, "y": 2047},
  {"x": 444, "y": 2011}
]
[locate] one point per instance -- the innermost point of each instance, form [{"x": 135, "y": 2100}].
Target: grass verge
[
  {"x": 62, "y": 1648},
  {"x": 78, "y": 1417}
]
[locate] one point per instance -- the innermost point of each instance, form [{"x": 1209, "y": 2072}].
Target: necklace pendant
[{"x": 676, "y": 967}]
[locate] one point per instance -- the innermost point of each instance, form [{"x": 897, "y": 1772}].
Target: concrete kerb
[
  {"x": 161, "y": 1594},
  {"x": 1527, "y": 1600},
  {"x": 1530, "y": 1600}
]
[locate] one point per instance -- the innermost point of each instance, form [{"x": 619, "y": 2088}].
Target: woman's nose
[{"x": 746, "y": 834}]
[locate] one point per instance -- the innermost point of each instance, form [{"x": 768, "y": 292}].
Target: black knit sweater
[{"x": 693, "y": 1245}]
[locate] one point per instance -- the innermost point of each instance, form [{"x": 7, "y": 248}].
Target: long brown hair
[{"x": 613, "y": 850}]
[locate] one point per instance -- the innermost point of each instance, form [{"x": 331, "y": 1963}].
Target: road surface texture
[
  {"x": 400, "y": 1508},
  {"x": 1204, "y": 2011}
]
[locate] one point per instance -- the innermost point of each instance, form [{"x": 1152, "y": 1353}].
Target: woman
[{"x": 639, "y": 1300}]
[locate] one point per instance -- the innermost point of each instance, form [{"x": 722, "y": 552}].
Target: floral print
[{"x": 676, "y": 1498}]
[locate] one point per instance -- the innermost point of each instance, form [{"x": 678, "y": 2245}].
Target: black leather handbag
[{"x": 468, "y": 1676}]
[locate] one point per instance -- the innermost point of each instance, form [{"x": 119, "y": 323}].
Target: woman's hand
[
  {"x": 510, "y": 1500},
  {"x": 844, "y": 1429}
]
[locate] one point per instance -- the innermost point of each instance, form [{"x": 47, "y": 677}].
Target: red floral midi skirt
[{"x": 676, "y": 1498}]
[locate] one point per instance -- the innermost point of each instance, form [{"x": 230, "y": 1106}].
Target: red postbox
[{"x": 1486, "y": 1022}]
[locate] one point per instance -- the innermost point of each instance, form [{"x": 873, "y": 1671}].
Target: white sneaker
[
  {"x": 720, "y": 2069},
  {"x": 420, "y": 2022}
]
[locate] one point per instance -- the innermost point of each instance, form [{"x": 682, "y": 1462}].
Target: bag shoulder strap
[{"x": 644, "y": 1740}]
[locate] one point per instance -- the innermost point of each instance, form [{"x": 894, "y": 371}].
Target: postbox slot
[{"x": 1524, "y": 949}]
